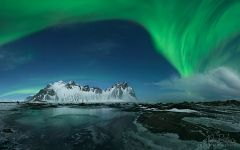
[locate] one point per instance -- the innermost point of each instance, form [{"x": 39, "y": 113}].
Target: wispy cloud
[
  {"x": 9, "y": 59},
  {"x": 101, "y": 48},
  {"x": 218, "y": 84}
]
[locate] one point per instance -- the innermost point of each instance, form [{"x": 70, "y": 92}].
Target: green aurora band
[
  {"x": 193, "y": 35},
  {"x": 20, "y": 92}
]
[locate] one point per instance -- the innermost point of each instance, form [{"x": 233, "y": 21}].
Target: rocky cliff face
[{"x": 70, "y": 92}]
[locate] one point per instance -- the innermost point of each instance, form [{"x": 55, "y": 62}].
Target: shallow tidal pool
[{"x": 81, "y": 127}]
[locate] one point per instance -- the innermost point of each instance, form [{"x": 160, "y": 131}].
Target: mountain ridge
[{"x": 71, "y": 92}]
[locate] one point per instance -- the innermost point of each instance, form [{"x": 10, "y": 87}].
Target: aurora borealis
[
  {"x": 194, "y": 36},
  {"x": 184, "y": 31}
]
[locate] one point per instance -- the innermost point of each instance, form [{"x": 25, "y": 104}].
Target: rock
[{"x": 7, "y": 130}]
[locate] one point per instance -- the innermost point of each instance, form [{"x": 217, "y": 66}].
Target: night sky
[
  {"x": 98, "y": 54},
  {"x": 167, "y": 51}
]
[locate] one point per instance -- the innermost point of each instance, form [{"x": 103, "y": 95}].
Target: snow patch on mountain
[{"x": 70, "y": 92}]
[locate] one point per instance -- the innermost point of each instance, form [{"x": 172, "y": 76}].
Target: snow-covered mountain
[{"x": 70, "y": 92}]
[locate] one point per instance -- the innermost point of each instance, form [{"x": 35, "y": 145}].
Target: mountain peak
[
  {"x": 70, "y": 92},
  {"x": 121, "y": 85}
]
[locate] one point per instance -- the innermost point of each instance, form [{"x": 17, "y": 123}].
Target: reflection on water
[
  {"x": 70, "y": 128},
  {"x": 82, "y": 128},
  {"x": 64, "y": 117}
]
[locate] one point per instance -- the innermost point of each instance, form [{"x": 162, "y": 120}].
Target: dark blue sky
[{"x": 98, "y": 54}]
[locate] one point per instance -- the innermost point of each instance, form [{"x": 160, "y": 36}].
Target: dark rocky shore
[{"x": 210, "y": 122}]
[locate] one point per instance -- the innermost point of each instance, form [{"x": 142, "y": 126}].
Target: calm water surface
[{"x": 81, "y": 128}]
